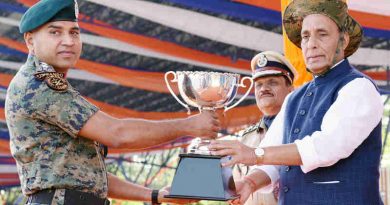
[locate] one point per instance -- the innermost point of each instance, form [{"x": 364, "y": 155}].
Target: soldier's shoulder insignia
[
  {"x": 54, "y": 80},
  {"x": 41, "y": 75},
  {"x": 250, "y": 129}
]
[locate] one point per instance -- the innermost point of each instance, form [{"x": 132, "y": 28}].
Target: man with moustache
[
  {"x": 324, "y": 146},
  {"x": 56, "y": 135},
  {"x": 273, "y": 76}
]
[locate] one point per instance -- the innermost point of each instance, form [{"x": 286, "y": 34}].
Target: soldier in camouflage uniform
[
  {"x": 273, "y": 75},
  {"x": 57, "y": 135}
]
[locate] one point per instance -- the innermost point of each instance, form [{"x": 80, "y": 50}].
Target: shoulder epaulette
[{"x": 250, "y": 129}]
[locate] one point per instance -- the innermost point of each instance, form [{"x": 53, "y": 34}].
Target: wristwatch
[
  {"x": 259, "y": 152},
  {"x": 155, "y": 197}
]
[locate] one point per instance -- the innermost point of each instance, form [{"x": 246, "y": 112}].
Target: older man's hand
[{"x": 238, "y": 152}]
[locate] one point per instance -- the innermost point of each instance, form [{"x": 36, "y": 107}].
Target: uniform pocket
[{"x": 33, "y": 176}]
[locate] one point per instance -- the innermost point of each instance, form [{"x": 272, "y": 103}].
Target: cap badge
[
  {"x": 76, "y": 9},
  {"x": 262, "y": 61}
]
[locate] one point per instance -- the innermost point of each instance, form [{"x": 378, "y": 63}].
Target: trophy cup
[{"x": 199, "y": 174}]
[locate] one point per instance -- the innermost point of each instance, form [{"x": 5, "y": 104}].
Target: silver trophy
[
  {"x": 199, "y": 174},
  {"x": 206, "y": 91}
]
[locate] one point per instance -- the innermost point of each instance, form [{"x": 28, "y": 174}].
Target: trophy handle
[
  {"x": 244, "y": 96},
  {"x": 173, "y": 93}
]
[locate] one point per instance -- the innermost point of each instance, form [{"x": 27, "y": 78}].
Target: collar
[
  {"x": 315, "y": 76},
  {"x": 339, "y": 69},
  {"x": 31, "y": 60},
  {"x": 39, "y": 66},
  {"x": 337, "y": 63},
  {"x": 266, "y": 122}
]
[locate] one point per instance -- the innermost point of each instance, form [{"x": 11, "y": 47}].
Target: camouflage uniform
[
  {"x": 252, "y": 137},
  {"x": 43, "y": 125}
]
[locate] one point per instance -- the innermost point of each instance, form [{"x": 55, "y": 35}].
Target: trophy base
[
  {"x": 199, "y": 147},
  {"x": 200, "y": 198},
  {"x": 201, "y": 177}
]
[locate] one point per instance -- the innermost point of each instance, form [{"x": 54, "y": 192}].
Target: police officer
[
  {"x": 56, "y": 134},
  {"x": 273, "y": 75}
]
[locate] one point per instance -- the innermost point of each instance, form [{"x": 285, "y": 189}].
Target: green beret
[{"x": 47, "y": 11}]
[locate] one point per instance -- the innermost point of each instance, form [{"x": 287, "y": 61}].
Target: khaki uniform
[
  {"x": 43, "y": 124},
  {"x": 252, "y": 137}
]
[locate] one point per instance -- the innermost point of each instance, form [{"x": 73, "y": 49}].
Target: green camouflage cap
[{"x": 336, "y": 10}]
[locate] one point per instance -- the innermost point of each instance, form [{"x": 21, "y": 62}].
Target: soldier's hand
[
  {"x": 238, "y": 152},
  {"x": 204, "y": 125},
  {"x": 165, "y": 191},
  {"x": 244, "y": 190}
]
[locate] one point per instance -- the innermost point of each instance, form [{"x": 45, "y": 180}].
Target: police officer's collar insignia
[
  {"x": 262, "y": 61},
  {"x": 76, "y": 9},
  {"x": 250, "y": 129}
]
